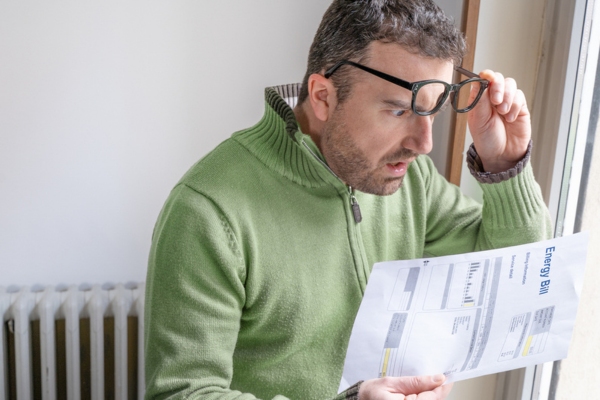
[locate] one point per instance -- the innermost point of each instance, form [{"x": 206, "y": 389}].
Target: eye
[{"x": 398, "y": 113}]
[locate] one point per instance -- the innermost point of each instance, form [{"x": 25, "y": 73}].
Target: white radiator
[{"x": 72, "y": 342}]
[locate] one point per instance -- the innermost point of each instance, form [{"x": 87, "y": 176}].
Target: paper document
[{"x": 470, "y": 314}]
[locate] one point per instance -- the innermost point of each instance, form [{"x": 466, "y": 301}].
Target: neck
[{"x": 309, "y": 123}]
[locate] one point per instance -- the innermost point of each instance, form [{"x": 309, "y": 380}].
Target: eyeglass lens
[
  {"x": 430, "y": 95},
  {"x": 463, "y": 100}
]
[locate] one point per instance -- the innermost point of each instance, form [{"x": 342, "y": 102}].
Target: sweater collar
[{"x": 279, "y": 143}]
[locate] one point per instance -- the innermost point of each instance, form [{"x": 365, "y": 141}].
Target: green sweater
[{"x": 258, "y": 267}]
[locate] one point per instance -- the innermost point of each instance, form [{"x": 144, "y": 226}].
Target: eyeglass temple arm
[
  {"x": 465, "y": 72},
  {"x": 382, "y": 75}
]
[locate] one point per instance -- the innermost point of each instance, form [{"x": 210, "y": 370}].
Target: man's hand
[
  {"x": 500, "y": 123},
  {"x": 405, "y": 388}
]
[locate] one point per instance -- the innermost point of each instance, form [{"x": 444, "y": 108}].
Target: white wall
[{"x": 103, "y": 107}]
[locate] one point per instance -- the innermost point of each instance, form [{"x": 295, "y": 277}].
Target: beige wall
[
  {"x": 508, "y": 41},
  {"x": 580, "y": 372}
]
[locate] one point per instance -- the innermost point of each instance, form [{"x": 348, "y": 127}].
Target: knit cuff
[
  {"x": 476, "y": 167},
  {"x": 351, "y": 393},
  {"x": 513, "y": 203}
]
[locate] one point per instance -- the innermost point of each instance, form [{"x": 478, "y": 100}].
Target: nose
[{"x": 419, "y": 138}]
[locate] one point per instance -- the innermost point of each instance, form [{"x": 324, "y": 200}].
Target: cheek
[
  {"x": 367, "y": 126},
  {"x": 367, "y": 136},
  {"x": 385, "y": 135},
  {"x": 375, "y": 133}
]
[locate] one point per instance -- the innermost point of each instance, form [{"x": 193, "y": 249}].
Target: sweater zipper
[
  {"x": 355, "y": 206},
  {"x": 353, "y": 201}
]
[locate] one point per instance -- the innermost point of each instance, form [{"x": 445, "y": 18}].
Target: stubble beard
[{"x": 353, "y": 167}]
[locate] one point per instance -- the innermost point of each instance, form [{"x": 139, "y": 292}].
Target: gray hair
[{"x": 349, "y": 26}]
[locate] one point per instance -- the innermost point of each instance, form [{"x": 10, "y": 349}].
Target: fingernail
[
  {"x": 497, "y": 97},
  {"x": 439, "y": 378}
]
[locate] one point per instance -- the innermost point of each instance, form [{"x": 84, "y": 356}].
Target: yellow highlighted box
[
  {"x": 526, "y": 349},
  {"x": 386, "y": 359}
]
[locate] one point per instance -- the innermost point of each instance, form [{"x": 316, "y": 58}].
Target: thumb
[{"x": 418, "y": 384}]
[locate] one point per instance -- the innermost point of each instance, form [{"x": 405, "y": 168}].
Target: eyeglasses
[{"x": 429, "y": 96}]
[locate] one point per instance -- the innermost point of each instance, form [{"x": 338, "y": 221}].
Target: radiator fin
[{"x": 76, "y": 342}]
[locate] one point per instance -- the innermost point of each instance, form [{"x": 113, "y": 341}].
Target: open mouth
[{"x": 397, "y": 169}]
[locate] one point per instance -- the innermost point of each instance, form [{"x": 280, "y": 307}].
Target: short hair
[{"x": 349, "y": 26}]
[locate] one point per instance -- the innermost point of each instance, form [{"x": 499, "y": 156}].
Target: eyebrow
[{"x": 397, "y": 103}]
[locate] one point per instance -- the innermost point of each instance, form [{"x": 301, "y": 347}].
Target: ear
[{"x": 322, "y": 96}]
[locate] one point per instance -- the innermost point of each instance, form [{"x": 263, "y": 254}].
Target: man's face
[{"x": 370, "y": 140}]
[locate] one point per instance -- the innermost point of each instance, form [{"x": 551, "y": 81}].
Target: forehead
[{"x": 400, "y": 62}]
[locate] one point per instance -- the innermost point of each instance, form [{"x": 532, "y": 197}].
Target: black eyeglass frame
[{"x": 415, "y": 86}]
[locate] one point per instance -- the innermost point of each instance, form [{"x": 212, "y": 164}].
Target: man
[{"x": 263, "y": 250}]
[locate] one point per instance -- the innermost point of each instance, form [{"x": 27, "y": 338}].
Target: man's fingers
[
  {"x": 518, "y": 105},
  {"x": 417, "y": 384},
  {"x": 503, "y": 95},
  {"x": 510, "y": 91},
  {"x": 439, "y": 393},
  {"x": 443, "y": 391},
  {"x": 496, "y": 88},
  {"x": 425, "y": 387}
]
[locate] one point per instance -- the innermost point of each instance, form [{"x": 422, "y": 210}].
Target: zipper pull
[{"x": 355, "y": 206}]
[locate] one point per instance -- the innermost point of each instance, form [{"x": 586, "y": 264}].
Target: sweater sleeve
[
  {"x": 513, "y": 213},
  {"x": 194, "y": 300}
]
